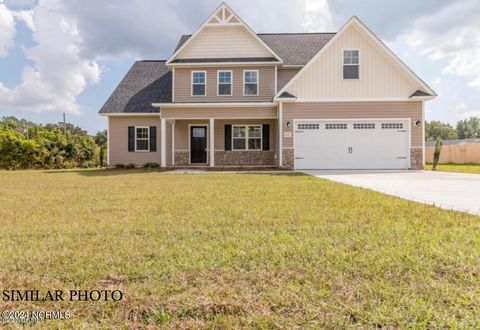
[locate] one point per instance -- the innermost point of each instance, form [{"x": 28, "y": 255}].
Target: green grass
[
  {"x": 464, "y": 168},
  {"x": 236, "y": 251}
]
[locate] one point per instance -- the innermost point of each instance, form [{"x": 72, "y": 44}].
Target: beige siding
[
  {"x": 224, "y": 42},
  {"x": 181, "y": 132},
  {"x": 220, "y": 130},
  {"x": 344, "y": 110},
  {"x": 284, "y": 76},
  {"x": 220, "y": 112},
  {"x": 118, "y": 144},
  {"x": 183, "y": 84},
  {"x": 380, "y": 77}
]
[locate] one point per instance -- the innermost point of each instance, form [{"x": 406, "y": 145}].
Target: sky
[{"x": 68, "y": 56}]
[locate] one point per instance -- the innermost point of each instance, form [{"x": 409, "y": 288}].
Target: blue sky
[{"x": 67, "y": 55}]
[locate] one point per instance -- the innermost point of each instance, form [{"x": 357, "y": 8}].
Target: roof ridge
[
  {"x": 283, "y": 33},
  {"x": 151, "y": 60}
]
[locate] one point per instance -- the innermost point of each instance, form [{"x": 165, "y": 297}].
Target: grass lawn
[
  {"x": 235, "y": 250},
  {"x": 465, "y": 168}
]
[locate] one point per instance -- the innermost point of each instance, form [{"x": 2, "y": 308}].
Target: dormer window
[
  {"x": 199, "y": 79},
  {"x": 224, "y": 83},
  {"x": 250, "y": 82},
  {"x": 351, "y": 64}
]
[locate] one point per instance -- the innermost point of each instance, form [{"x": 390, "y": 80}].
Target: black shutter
[
  {"x": 265, "y": 137},
  {"x": 131, "y": 138},
  {"x": 228, "y": 137},
  {"x": 153, "y": 138}
]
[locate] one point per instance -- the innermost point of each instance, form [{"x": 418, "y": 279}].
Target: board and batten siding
[
  {"x": 224, "y": 42},
  {"x": 183, "y": 84},
  {"x": 380, "y": 77},
  {"x": 284, "y": 76},
  {"x": 118, "y": 144},
  {"x": 348, "y": 110}
]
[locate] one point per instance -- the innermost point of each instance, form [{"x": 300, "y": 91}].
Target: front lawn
[
  {"x": 464, "y": 168},
  {"x": 235, "y": 250}
]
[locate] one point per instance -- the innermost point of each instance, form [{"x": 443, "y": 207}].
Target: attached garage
[{"x": 352, "y": 144}]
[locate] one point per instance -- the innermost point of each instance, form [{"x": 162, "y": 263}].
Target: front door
[{"x": 198, "y": 144}]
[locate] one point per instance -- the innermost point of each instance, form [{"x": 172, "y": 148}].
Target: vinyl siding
[
  {"x": 284, "y": 76},
  {"x": 380, "y": 77},
  {"x": 220, "y": 131},
  {"x": 224, "y": 42},
  {"x": 345, "y": 110},
  {"x": 183, "y": 84},
  {"x": 220, "y": 112}
]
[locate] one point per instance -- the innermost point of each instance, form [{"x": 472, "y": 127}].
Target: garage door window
[
  {"x": 308, "y": 126},
  {"x": 336, "y": 126},
  {"x": 392, "y": 125},
  {"x": 364, "y": 126},
  {"x": 247, "y": 137}
]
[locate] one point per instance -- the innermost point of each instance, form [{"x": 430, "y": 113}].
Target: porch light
[{"x": 288, "y": 124}]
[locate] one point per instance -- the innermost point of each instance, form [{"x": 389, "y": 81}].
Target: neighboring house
[{"x": 231, "y": 97}]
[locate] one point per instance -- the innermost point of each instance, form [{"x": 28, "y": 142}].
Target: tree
[
  {"x": 101, "y": 137},
  {"x": 437, "y": 130},
  {"x": 468, "y": 128}
]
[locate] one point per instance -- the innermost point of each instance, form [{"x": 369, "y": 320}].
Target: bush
[
  {"x": 120, "y": 166},
  {"x": 151, "y": 165},
  {"x": 436, "y": 153},
  {"x": 130, "y": 165}
]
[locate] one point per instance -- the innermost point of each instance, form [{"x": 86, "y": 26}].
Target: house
[{"x": 228, "y": 96}]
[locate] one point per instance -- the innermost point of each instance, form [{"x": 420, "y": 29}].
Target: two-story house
[{"x": 231, "y": 97}]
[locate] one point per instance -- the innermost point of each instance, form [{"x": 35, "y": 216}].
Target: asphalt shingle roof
[{"x": 144, "y": 83}]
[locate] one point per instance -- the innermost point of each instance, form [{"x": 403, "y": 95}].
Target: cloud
[
  {"x": 452, "y": 34},
  {"x": 7, "y": 30}
]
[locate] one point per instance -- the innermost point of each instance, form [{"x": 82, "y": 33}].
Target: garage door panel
[{"x": 352, "y": 144}]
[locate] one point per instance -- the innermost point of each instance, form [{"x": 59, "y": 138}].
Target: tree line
[
  {"x": 464, "y": 129},
  {"x": 24, "y": 144}
]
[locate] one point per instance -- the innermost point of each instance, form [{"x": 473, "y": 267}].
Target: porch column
[
  {"x": 163, "y": 142},
  {"x": 173, "y": 143},
  {"x": 212, "y": 142}
]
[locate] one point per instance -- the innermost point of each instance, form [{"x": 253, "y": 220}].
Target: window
[
  {"x": 199, "y": 79},
  {"x": 364, "y": 126},
  {"x": 392, "y": 125},
  {"x": 142, "y": 139},
  {"x": 335, "y": 126},
  {"x": 308, "y": 126},
  {"x": 247, "y": 137},
  {"x": 250, "y": 82},
  {"x": 351, "y": 64},
  {"x": 224, "y": 83}
]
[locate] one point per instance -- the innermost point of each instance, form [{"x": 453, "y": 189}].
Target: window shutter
[
  {"x": 153, "y": 138},
  {"x": 265, "y": 137},
  {"x": 228, "y": 137},
  {"x": 131, "y": 138}
]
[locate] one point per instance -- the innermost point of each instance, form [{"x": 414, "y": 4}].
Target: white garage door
[{"x": 352, "y": 144}]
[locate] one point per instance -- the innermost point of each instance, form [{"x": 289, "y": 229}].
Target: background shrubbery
[{"x": 24, "y": 144}]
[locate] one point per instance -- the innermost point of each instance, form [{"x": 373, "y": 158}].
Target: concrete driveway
[{"x": 448, "y": 190}]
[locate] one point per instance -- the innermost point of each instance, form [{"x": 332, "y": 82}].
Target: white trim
[
  {"x": 423, "y": 133},
  {"x": 189, "y": 138},
  {"x": 218, "y": 83},
  {"x": 356, "y": 21},
  {"x": 212, "y": 142},
  {"x": 222, "y": 6},
  {"x": 143, "y": 139},
  {"x": 247, "y": 137},
  {"x": 222, "y": 64},
  {"x": 291, "y": 66},
  {"x": 214, "y": 104},
  {"x": 280, "y": 133},
  {"x": 173, "y": 84},
  {"x": 404, "y": 119},
  {"x": 191, "y": 82},
  {"x": 258, "y": 82},
  {"x": 163, "y": 142},
  {"x": 363, "y": 99},
  {"x": 343, "y": 63},
  {"x": 108, "y": 141},
  {"x": 173, "y": 143},
  {"x": 221, "y": 118}
]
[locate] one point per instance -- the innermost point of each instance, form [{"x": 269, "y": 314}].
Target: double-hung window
[
  {"x": 199, "y": 79},
  {"x": 247, "y": 137},
  {"x": 351, "y": 64},
  {"x": 250, "y": 82},
  {"x": 142, "y": 138},
  {"x": 224, "y": 83}
]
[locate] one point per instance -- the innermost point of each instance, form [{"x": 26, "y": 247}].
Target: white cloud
[
  {"x": 7, "y": 30},
  {"x": 317, "y": 16},
  {"x": 452, "y": 33}
]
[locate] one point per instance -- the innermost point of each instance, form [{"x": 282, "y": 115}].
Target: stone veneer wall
[
  {"x": 243, "y": 158},
  {"x": 288, "y": 158},
  {"x": 182, "y": 158},
  {"x": 416, "y": 159}
]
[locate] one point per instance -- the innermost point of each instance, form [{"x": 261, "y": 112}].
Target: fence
[{"x": 465, "y": 153}]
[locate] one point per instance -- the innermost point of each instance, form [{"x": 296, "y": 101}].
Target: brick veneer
[
  {"x": 288, "y": 158},
  {"x": 242, "y": 158},
  {"x": 416, "y": 159},
  {"x": 182, "y": 158}
]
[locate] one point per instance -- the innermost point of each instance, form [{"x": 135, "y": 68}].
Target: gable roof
[
  {"x": 222, "y": 16},
  {"x": 355, "y": 21},
  {"x": 144, "y": 83}
]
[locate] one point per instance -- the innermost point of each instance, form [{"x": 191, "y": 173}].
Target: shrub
[
  {"x": 120, "y": 166},
  {"x": 151, "y": 165},
  {"x": 130, "y": 165},
  {"x": 436, "y": 153}
]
